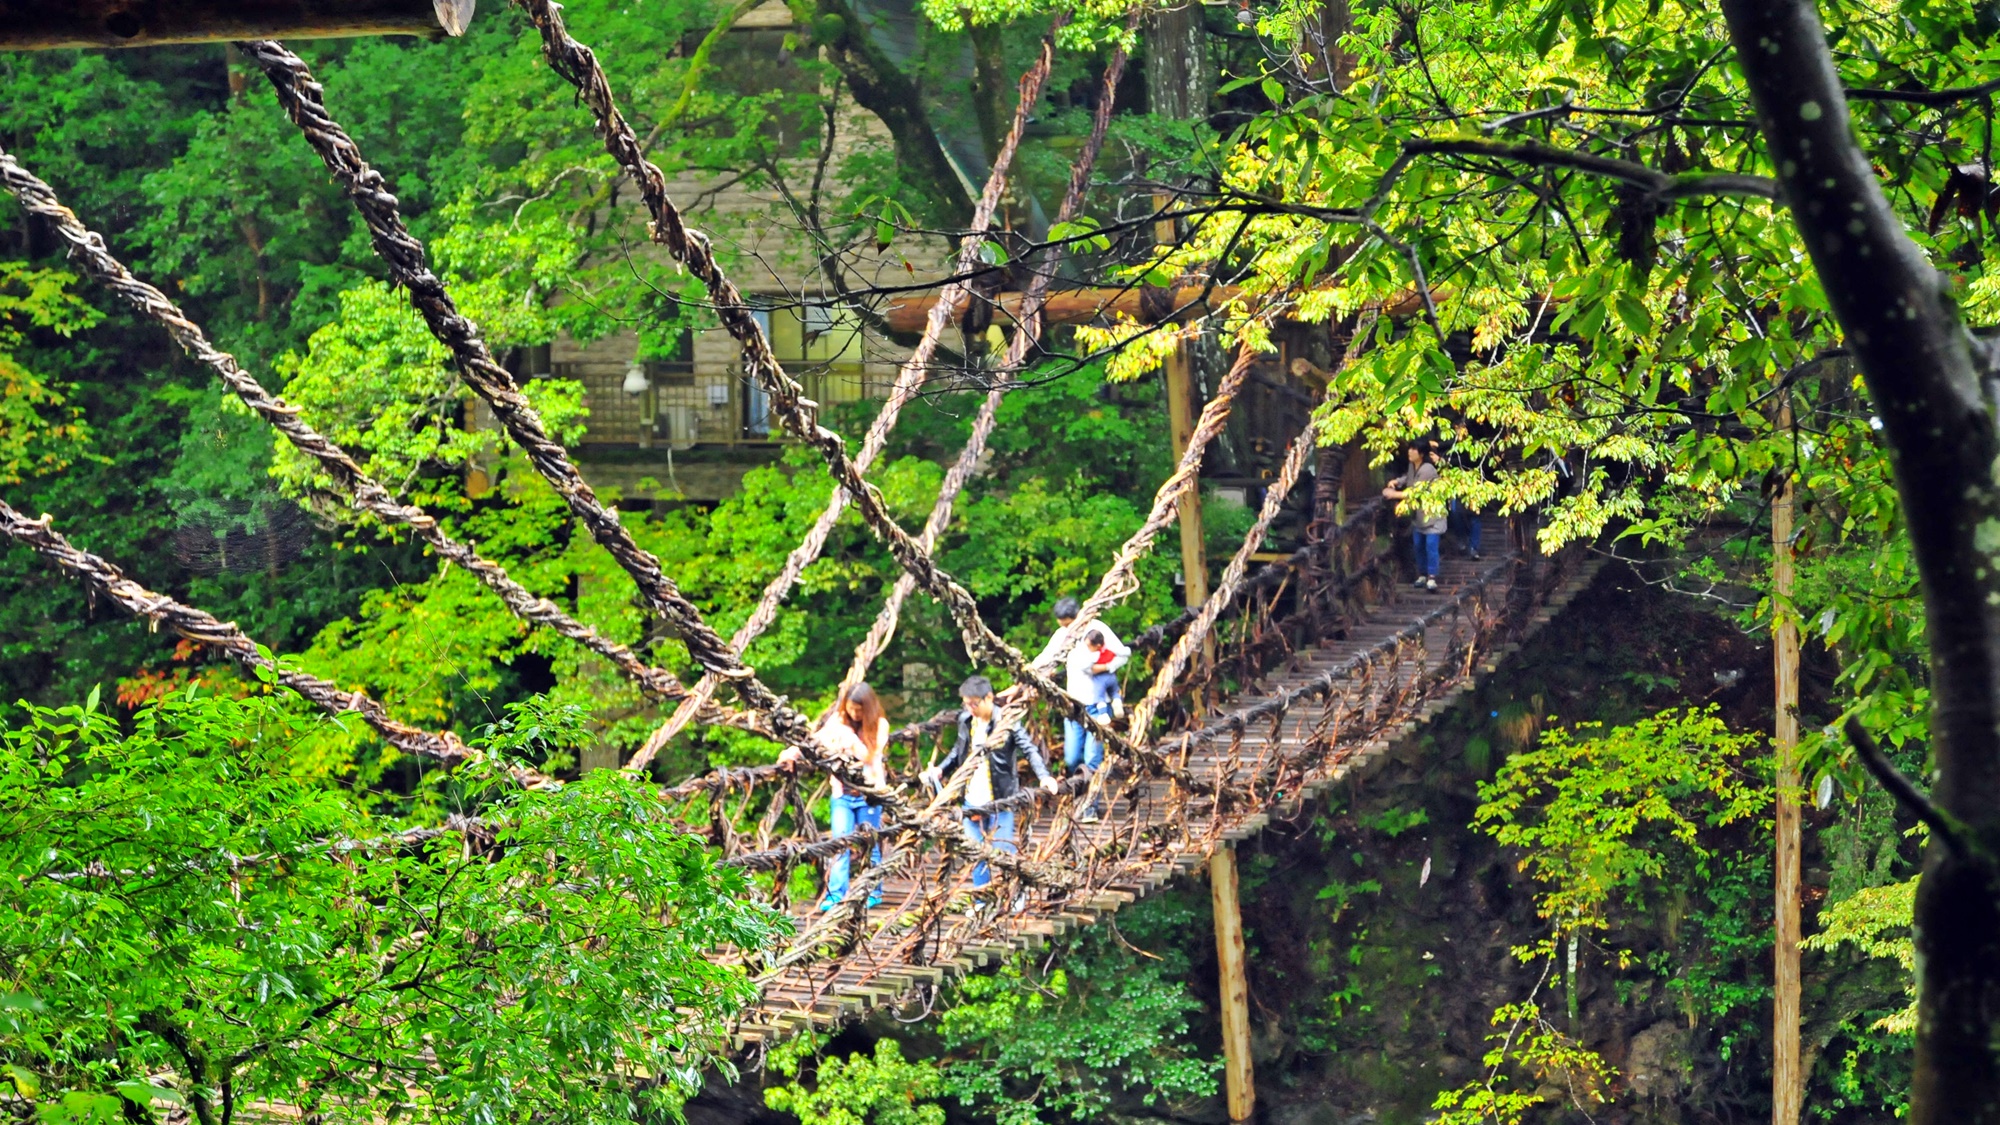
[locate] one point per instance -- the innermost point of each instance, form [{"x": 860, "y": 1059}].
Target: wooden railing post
[{"x": 1234, "y": 985}]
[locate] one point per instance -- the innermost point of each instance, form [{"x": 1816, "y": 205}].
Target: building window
[{"x": 822, "y": 348}]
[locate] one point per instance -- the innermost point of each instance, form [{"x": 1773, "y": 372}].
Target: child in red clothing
[{"x": 1101, "y": 676}]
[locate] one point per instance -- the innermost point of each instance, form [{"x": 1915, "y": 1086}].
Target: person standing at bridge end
[
  {"x": 1082, "y": 749},
  {"x": 995, "y": 743},
  {"x": 1426, "y": 529}
]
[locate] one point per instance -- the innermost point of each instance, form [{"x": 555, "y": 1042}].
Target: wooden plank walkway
[{"x": 1350, "y": 700}]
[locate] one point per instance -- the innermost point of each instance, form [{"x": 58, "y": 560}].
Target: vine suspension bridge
[{"x": 1280, "y": 683}]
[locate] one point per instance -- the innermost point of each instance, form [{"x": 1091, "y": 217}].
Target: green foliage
[
  {"x": 1529, "y": 1052},
  {"x": 881, "y": 1089},
  {"x": 180, "y": 916},
  {"x": 40, "y": 432},
  {"x": 1033, "y": 1040},
  {"x": 382, "y": 387},
  {"x": 1609, "y": 815},
  {"x": 1876, "y": 920},
  {"x": 1343, "y": 894}
]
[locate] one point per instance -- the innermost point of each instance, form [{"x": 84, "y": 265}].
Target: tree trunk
[
  {"x": 992, "y": 90},
  {"x": 1919, "y": 363},
  {"x": 1179, "y": 79},
  {"x": 888, "y": 93}
]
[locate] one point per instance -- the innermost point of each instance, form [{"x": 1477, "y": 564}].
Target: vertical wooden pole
[
  {"x": 1180, "y": 420},
  {"x": 1180, "y": 426},
  {"x": 1787, "y": 1083},
  {"x": 1180, "y": 423},
  {"x": 1234, "y": 986}
]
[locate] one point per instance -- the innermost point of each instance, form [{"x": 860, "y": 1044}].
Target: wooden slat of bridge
[{"x": 890, "y": 966}]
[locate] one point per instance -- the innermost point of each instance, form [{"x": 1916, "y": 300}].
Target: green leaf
[
  {"x": 140, "y": 1092},
  {"x": 80, "y": 1107},
  {"x": 1632, "y": 313}
]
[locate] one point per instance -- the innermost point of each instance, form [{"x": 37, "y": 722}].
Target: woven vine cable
[
  {"x": 301, "y": 98},
  {"x": 1232, "y": 577},
  {"x": 800, "y": 415},
  {"x": 1177, "y": 661},
  {"x": 87, "y": 249},
  {"x": 1027, "y": 332},
  {"x": 161, "y": 611},
  {"x": 1119, "y": 582},
  {"x": 908, "y": 380}
]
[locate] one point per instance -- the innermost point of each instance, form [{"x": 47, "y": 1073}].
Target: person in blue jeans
[
  {"x": 858, "y": 732},
  {"x": 1082, "y": 749},
  {"x": 1427, "y": 528},
  {"x": 995, "y": 743},
  {"x": 1464, "y": 511}
]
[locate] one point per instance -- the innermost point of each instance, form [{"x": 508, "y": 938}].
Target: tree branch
[
  {"x": 1661, "y": 185},
  {"x": 1927, "y": 97},
  {"x": 1898, "y": 784}
]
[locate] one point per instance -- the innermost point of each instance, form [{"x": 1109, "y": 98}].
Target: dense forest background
[{"x": 1605, "y": 350}]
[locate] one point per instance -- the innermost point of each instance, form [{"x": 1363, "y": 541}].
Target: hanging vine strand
[
  {"x": 800, "y": 415},
  {"x": 88, "y": 250},
  {"x": 908, "y": 380},
  {"x": 108, "y": 582}
]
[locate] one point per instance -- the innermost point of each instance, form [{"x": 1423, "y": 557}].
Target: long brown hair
[{"x": 869, "y": 726}]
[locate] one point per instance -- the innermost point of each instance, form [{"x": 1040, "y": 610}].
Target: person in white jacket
[{"x": 1082, "y": 749}]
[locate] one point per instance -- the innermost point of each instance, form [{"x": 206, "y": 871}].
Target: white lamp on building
[
  {"x": 636, "y": 382},
  {"x": 639, "y": 385}
]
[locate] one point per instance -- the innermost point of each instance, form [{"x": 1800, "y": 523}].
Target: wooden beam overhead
[
  {"x": 1082, "y": 306},
  {"x": 40, "y": 25},
  {"x": 1065, "y": 306}
]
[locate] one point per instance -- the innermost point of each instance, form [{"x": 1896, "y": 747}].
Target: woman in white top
[{"x": 857, "y": 732}]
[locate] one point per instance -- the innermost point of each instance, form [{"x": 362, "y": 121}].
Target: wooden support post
[
  {"x": 1180, "y": 420},
  {"x": 1234, "y": 986},
  {"x": 1180, "y": 426},
  {"x": 46, "y": 24},
  {"x": 1787, "y": 1083}
]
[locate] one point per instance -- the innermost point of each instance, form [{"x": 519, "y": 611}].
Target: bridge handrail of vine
[{"x": 1323, "y": 576}]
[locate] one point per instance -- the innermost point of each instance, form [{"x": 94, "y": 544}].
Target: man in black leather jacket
[{"x": 1002, "y": 742}]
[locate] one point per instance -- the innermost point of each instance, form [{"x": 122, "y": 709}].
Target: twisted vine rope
[
  {"x": 87, "y": 249},
  {"x": 1232, "y": 577},
  {"x": 908, "y": 380},
  {"x": 1027, "y": 333},
  {"x": 578, "y": 65},
  {"x": 108, "y": 581},
  {"x": 302, "y": 99},
  {"x": 1119, "y": 581}
]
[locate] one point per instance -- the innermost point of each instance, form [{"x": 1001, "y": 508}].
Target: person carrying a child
[
  {"x": 1082, "y": 749},
  {"x": 1104, "y": 681}
]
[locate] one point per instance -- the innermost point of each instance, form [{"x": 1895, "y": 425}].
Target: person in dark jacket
[{"x": 984, "y": 732}]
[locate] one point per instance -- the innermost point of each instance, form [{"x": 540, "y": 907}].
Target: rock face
[{"x": 1660, "y": 1062}]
